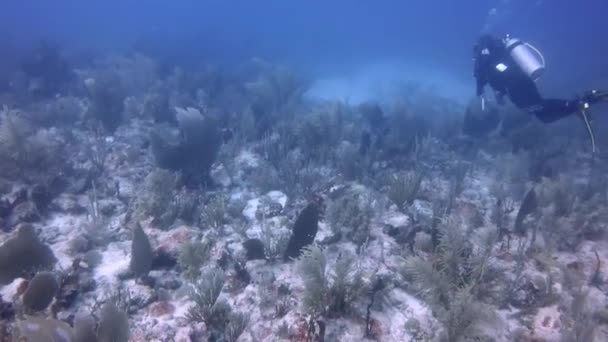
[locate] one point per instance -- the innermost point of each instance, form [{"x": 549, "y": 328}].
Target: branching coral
[
  {"x": 274, "y": 240},
  {"x": 350, "y": 215},
  {"x": 214, "y": 212},
  {"x": 329, "y": 292},
  {"x": 567, "y": 216},
  {"x": 459, "y": 272},
  {"x": 192, "y": 256},
  {"x": 25, "y": 152},
  {"x": 320, "y": 132},
  {"x": 206, "y": 292},
  {"x": 155, "y": 199},
  {"x": 215, "y": 312},
  {"x": 275, "y": 90}
]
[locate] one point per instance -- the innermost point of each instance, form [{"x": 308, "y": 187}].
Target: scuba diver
[{"x": 511, "y": 67}]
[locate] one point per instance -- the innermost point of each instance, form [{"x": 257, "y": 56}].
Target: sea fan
[
  {"x": 403, "y": 188},
  {"x": 194, "y": 151}
]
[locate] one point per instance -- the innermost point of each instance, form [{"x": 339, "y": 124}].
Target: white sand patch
[
  {"x": 115, "y": 261},
  {"x": 389, "y": 80}
]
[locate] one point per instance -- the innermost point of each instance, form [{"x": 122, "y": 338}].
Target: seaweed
[{"x": 528, "y": 207}]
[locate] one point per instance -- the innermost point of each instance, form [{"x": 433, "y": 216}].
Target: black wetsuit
[{"x": 490, "y": 57}]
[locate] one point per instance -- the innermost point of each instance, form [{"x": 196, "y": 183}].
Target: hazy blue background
[{"x": 348, "y": 43}]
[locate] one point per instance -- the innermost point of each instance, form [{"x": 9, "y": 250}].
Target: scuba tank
[{"x": 526, "y": 56}]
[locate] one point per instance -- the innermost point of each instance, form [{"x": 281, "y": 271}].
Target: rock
[
  {"x": 68, "y": 205},
  {"x": 5, "y": 187},
  {"x": 5, "y": 208},
  {"x": 184, "y": 334},
  {"x": 277, "y": 196},
  {"x": 168, "y": 281},
  {"x": 267, "y": 209},
  {"x": 390, "y": 230},
  {"x": 107, "y": 208},
  {"x": 86, "y": 282},
  {"x": 79, "y": 185},
  {"x": 241, "y": 273},
  {"x": 7, "y": 311},
  {"x": 422, "y": 211},
  {"x": 161, "y": 308},
  {"x": 79, "y": 244},
  {"x": 163, "y": 260},
  {"x": 219, "y": 175},
  {"x": 331, "y": 239},
  {"x": 254, "y": 249},
  {"x": 20, "y": 197},
  {"x": 534, "y": 290},
  {"x": 40, "y": 196},
  {"x": 170, "y": 242},
  {"x": 140, "y": 297},
  {"x": 25, "y": 212}
]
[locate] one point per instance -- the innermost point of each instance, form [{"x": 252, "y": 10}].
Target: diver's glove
[
  {"x": 592, "y": 97},
  {"x": 584, "y": 102}
]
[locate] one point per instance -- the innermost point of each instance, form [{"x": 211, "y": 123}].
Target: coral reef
[{"x": 166, "y": 203}]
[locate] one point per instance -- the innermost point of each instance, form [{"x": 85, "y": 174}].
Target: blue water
[{"x": 351, "y": 47}]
